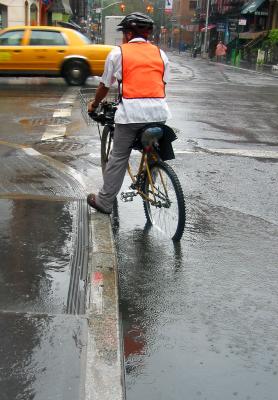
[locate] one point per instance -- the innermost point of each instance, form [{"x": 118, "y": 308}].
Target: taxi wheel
[{"x": 75, "y": 72}]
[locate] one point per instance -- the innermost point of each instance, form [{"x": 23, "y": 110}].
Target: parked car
[{"x": 50, "y": 51}]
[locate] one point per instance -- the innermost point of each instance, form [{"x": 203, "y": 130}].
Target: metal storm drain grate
[
  {"x": 76, "y": 302},
  {"x": 57, "y": 146},
  {"x": 45, "y": 121}
]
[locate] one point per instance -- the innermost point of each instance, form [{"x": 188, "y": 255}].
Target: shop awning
[
  {"x": 252, "y": 6},
  {"x": 60, "y": 6},
  {"x": 67, "y": 7},
  {"x": 209, "y": 28}
]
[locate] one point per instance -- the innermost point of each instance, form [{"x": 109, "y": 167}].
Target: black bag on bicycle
[{"x": 165, "y": 150}]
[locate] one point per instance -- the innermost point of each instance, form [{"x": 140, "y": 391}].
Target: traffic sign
[
  {"x": 242, "y": 21},
  {"x": 220, "y": 26}
]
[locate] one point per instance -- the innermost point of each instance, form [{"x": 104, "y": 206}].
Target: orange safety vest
[{"x": 142, "y": 71}]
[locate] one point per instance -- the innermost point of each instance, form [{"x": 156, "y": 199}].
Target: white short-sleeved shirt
[{"x": 135, "y": 110}]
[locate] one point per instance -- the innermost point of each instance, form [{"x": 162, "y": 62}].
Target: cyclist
[{"x": 142, "y": 70}]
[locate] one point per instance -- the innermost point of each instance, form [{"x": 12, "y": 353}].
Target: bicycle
[{"x": 155, "y": 181}]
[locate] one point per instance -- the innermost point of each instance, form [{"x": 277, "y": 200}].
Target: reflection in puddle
[{"x": 35, "y": 254}]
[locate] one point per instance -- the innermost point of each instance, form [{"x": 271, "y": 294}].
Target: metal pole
[
  {"x": 101, "y": 20},
  {"x": 88, "y": 18},
  {"x": 206, "y": 28}
]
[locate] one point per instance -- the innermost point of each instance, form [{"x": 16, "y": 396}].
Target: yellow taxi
[{"x": 50, "y": 51}]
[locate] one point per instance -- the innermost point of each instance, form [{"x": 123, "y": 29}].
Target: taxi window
[
  {"x": 46, "y": 38},
  {"x": 83, "y": 37},
  {"x": 11, "y": 38}
]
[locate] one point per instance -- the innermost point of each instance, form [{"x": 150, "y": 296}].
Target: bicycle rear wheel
[
  {"x": 106, "y": 145},
  {"x": 166, "y": 208}
]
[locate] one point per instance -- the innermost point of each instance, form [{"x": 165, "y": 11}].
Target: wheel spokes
[{"x": 164, "y": 212}]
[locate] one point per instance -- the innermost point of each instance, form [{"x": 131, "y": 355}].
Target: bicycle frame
[{"x": 144, "y": 166}]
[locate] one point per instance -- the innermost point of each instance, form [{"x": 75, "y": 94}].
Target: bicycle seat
[
  {"x": 148, "y": 136},
  {"x": 151, "y": 135}
]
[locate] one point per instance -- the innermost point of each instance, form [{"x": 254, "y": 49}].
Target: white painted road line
[
  {"x": 58, "y": 165},
  {"x": 31, "y": 152},
  {"x": 233, "y": 152},
  {"x": 245, "y": 152},
  {"x": 184, "y": 151},
  {"x": 58, "y": 131},
  {"x": 54, "y": 132},
  {"x": 62, "y": 113}
]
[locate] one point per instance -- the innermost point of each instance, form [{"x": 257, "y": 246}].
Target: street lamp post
[
  {"x": 99, "y": 11},
  {"x": 89, "y": 19},
  {"x": 206, "y": 28}
]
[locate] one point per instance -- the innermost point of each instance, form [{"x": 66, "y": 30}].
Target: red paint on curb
[{"x": 97, "y": 277}]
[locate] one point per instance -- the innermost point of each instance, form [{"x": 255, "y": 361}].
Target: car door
[
  {"x": 45, "y": 50},
  {"x": 11, "y": 50}
]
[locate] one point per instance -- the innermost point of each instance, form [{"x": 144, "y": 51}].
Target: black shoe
[{"x": 91, "y": 200}]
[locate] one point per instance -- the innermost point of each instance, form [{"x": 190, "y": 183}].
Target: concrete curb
[{"x": 104, "y": 365}]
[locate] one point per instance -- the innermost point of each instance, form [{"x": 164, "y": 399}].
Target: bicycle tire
[
  {"x": 172, "y": 203},
  {"x": 106, "y": 145}
]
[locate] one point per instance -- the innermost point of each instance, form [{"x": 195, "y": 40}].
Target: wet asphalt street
[{"x": 200, "y": 317}]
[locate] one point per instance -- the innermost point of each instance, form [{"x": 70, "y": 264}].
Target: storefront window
[
  {"x": 33, "y": 15},
  {"x": 3, "y": 16}
]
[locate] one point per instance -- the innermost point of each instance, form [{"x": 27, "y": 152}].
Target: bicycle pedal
[{"x": 128, "y": 196}]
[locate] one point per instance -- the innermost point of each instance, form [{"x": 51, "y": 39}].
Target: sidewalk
[
  {"x": 272, "y": 74},
  {"x": 199, "y": 58},
  {"x": 59, "y": 319}
]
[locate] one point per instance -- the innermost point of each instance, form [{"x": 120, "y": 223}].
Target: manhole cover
[
  {"x": 45, "y": 121},
  {"x": 57, "y": 146}
]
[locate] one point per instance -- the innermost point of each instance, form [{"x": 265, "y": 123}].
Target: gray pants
[{"x": 124, "y": 136}]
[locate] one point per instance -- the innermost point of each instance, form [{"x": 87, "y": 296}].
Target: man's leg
[{"x": 124, "y": 136}]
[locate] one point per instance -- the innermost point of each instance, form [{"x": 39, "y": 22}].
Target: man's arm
[
  {"x": 107, "y": 79},
  {"x": 101, "y": 92},
  {"x": 166, "y": 67}
]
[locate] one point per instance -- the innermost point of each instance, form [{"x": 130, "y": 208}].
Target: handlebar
[{"x": 105, "y": 114}]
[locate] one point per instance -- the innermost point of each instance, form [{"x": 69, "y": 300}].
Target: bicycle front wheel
[
  {"x": 165, "y": 206},
  {"x": 106, "y": 145}
]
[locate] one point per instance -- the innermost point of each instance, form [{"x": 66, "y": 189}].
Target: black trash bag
[{"x": 165, "y": 150}]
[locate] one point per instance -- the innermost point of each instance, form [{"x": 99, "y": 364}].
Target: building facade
[
  {"x": 183, "y": 29},
  {"x": 273, "y": 14},
  {"x": 38, "y": 12},
  {"x": 19, "y": 12},
  {"x": 53, "y": 11},
  {"x": 241, "y": 24},
  {"x": 79, "y": 9}
]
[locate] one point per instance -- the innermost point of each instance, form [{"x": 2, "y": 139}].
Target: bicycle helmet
[{"x": 134, "y": 21}]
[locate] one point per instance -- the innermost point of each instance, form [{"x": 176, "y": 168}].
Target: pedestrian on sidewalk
[
  {"x": 220, "y": 51},
  {"x": 142, "y": 70}
]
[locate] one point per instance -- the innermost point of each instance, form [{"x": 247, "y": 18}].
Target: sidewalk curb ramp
[{"x": 104, "y": 365}]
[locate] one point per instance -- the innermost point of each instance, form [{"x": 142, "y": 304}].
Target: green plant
[
  {"x": 273, "y": 37},
  {"x": 254, "y": 51},
  {"x": 265, "y": 44}
]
